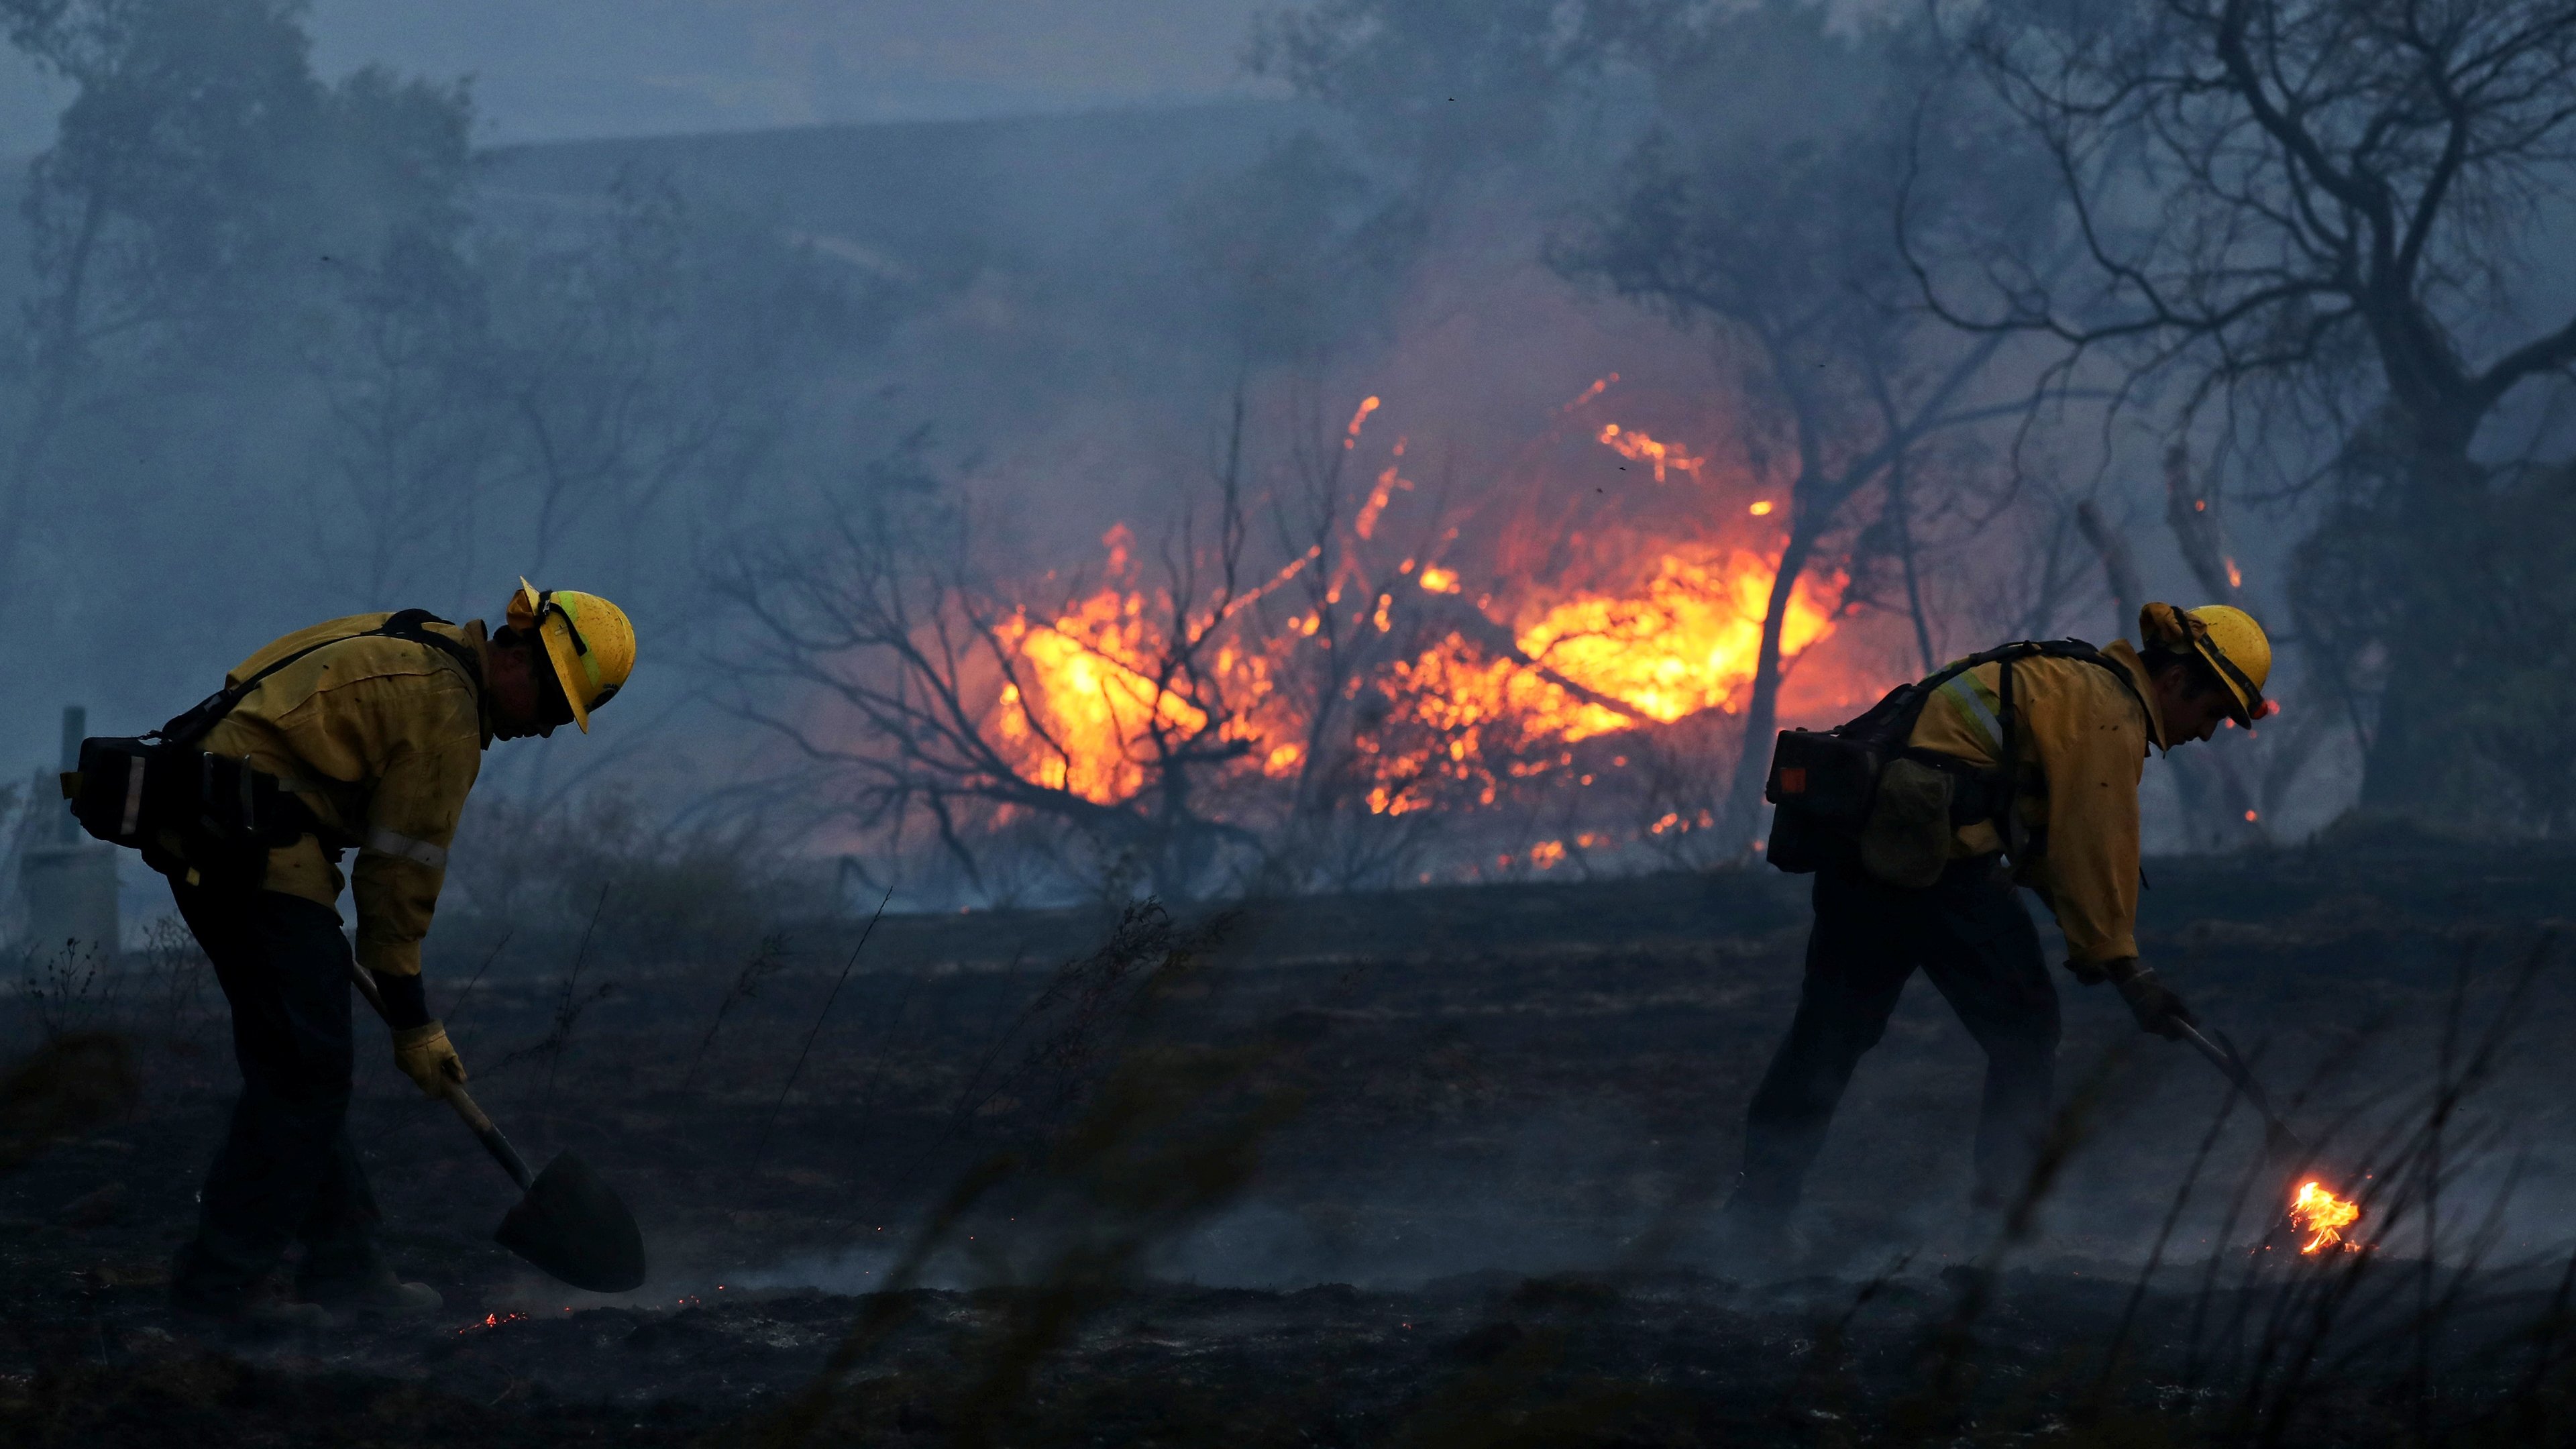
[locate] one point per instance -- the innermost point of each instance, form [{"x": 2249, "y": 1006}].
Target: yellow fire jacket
[
  {"x": 2083, "y": 749},
  {"x": 381, "y": 738}
]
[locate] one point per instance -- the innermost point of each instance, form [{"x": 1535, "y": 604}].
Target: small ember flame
[
  {"x": 495, "y": 1320},
  {"x": 2323, "y": 1217}
]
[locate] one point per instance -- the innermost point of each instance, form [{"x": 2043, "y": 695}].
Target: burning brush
[
  {"x": 2316, "y": 1216},
  {"x": 2322, "y": 1217}
]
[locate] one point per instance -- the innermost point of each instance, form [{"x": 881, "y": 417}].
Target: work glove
[
  {"x": 425, "y": 1056},
  {"x": 2157, "y": 1007}
]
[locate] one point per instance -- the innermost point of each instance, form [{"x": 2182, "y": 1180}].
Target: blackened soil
[{"x": 1501, "y": 1113}]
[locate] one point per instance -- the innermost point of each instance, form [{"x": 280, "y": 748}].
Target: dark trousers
[
  {"x": 286, "y": 1171},
  {"x": 1971, "y": 935}
]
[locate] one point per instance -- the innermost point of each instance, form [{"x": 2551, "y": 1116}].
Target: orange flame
[
  {"x": 1688, "y": 644},
  {"x": 1614, "y": 631},
  {"x": 1637, "y": 447},
  {"x": 1351, "y": 435},
  {"x": 1599, "y": 386},
  {"x": 2323, "y": 1217},
  {"x": 1087, "y": 703},
  {"x": 1081, "y": 706},
  {"x": 1387, "y": 482}
]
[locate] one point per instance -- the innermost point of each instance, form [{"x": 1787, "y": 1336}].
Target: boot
[
  {"x": 265, "y": 1308},
  {"x": 378, "y": 1296},
  {"x": 1755, "y": 1235}
]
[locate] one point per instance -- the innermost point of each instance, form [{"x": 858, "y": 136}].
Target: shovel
[
  {"x": 2278, "y": 1139},
  {"x": 2277, "y": 1135},
  {"x": 569, "y": 1225}
]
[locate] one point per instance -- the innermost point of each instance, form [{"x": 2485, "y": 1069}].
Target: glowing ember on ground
[{"x": 2323, "y": 1217}]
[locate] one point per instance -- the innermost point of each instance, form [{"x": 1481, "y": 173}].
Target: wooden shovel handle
[
  {"x": 457, "y": 1097},
  {"x": 493, "y": 1142}
]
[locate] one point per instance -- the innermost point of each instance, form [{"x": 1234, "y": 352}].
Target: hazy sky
[{"x": 547, "y": 69}]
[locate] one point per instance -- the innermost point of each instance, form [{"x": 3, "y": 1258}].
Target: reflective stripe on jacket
[
  {"x": 382, "y": 739},
  {"x": 2083, "y": 749}
]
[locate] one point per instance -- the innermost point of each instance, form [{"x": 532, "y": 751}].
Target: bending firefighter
[
  {"x": 2030, "y": 754},
  {"x": 372, "y": 729}
]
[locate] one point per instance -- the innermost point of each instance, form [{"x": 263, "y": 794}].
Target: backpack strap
[
  {"x": 2078, "y": 649},
  {"x": 191, "y": 724},
  {"x": 408, "y": 625},
  {"x": 2008, "y": 821},
  {"x": 2008, "y": 826},
  {"x": 2004, "y": 781}
]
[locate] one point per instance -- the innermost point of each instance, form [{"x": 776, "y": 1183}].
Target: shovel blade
[{"x": 573, "y": 1228}]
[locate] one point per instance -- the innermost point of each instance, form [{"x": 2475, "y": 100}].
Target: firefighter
[
  {"x": 2083, "y": 728},
  {"x": 379, "y": 732}
]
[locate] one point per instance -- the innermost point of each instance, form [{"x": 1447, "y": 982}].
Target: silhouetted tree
[
  {"x": 1777, "y": 240},
  {"x": 205, "y": 197},
  {"x": 1447, "y": 85},
  {"x": 926, "y": 694},
  {"x": 2311, "y": 212},
  {"x": 169, "y": 181},
  {"x": 408, "y": 445}
]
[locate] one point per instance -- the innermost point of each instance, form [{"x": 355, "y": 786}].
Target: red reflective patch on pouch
[{"x": 1793, "y": 779}]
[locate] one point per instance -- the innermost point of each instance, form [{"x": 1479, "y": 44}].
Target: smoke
[{"x": 581, "y": 69}]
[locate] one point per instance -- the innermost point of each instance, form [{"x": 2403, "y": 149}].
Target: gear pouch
[
  {"x": 220, "y": 816},
  {"x": 1907, "y": 840}
]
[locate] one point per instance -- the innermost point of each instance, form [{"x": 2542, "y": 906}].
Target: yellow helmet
[
  {"x": 589, "y": 639},
  {"x": 2238, "y": 650}
]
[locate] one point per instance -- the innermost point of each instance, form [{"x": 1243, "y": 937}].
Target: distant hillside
[
  {"x": 1055, "y": 228},
  {"x": 940, "y": 197},
  {"x": 1053, "y": 330}
]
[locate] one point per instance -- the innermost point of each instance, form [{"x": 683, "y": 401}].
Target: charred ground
[{"x": 1432, "y": 1166}]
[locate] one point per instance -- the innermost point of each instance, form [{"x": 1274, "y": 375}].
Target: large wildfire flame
[
  {"x": 1083, "y": 701},
  {"x": 1492, "y": 677},
  {"x": 1684, "y": 643},
  {"x": 2322, "y": 1216}
]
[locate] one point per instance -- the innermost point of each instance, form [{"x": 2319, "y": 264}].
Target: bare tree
[
  {"x": 1450, "y": 85},
  {"x": 1361, "y": 800},
  {"x": 1775, "y": 253},
  {"x": 200, "y": 187},
  {"x": 2308, "y": 212},
  {"x": 413, "y": 442},
  {"x": 2218, "y": 808},
  {"x": 408, "y": 452},
  {"x": 647, "y": 351},
  {"x": 1106, "y": 707}
]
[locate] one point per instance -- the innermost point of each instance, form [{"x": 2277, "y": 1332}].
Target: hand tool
[
  {"x": 567, "y": 1223},
  {"x": 2222, "y": 1054}
]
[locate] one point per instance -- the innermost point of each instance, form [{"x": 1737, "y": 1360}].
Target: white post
[{"x": 68, "y": 880}]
